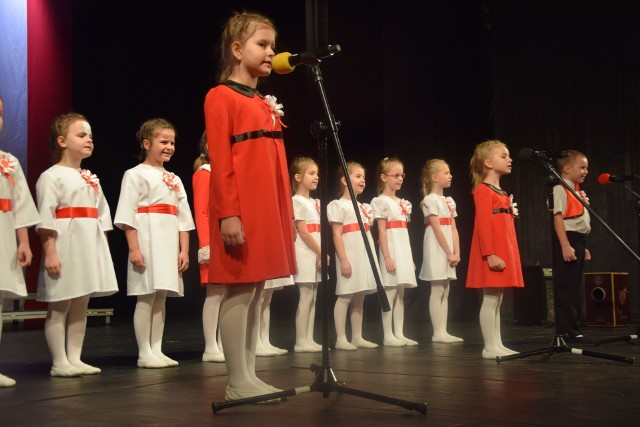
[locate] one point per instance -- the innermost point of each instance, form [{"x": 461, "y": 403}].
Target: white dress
[
  {"x": 22, "y": 213},
  {"x": 158, "y": 233},
  {"x": 435, "y": 265},
  {"x": 398, "y": 214},
  {"x": 308, "y": 210},
  {"x": 362, "y": 278},
  {"x": 81, "y": 244},
  {"x": 279, "y": 283}
]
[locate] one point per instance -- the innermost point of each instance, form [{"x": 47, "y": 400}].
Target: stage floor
[{"x": 457, "y": 385}]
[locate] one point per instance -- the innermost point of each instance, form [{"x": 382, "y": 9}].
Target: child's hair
[
  {"x": 299, "y": 165},
  {"x": 60, "y": 127},
  {"x": 239, "y": 27},
  {"x": 148, "y": 130},
  {"x": 569, "y": 160},
  {"x": 481, "y": 153},
  {"x": 430, "y": 168},
  {"x": 203, "y": 158},
  {"x": 382, "y": 169},
  {"x": 350, "y": 167}
]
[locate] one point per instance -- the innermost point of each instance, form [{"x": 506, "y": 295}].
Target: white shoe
[
  {"x": 6, "y": 381},
  {"x": 68, "y": 372},
  {"x": 345, "y": 345},
  {"x": 216, "y": 356},
  {"x": 305, "y": 347},
  {"x": 169, "y": 361},
  {"x": 504, "y": 351},
  {"x": 490, "y": 354},
  {"x": 394, "y": 342},
  {"x": 409, "y": 342},
  {"x": 317, "y": 346},
  {"x": 362, "y": 343},
  {"x": 154, "y": 363},
  {"x": 453, "y": 338},
  {"x": 237, "y": 394},
  {"x": 276, "y": 350},
  {"x": 87, "y": 369},
  {"x": 264, "y": 351}
]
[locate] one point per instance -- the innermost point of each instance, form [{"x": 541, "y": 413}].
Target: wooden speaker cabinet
[{"x": 607, "y": 299}]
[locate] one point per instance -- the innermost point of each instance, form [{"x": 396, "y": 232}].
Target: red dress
[
  {"x": 200, "y": 182},
  {"x": 493, "y": 233},
  {"x": 249, "y": 179}
]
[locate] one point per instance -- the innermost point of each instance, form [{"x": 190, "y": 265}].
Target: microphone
[
  {"x": 606, "y": 178},
  {"x": 285, "y": 62},
  {"x": 530, "y": 153}
]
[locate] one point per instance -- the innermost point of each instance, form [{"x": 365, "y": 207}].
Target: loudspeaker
[
  {"x": 607, "y": 299},
  {"x": 530, "y": 302}
]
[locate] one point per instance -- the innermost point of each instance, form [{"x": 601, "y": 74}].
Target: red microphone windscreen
[{"x": 603, "y": 179}]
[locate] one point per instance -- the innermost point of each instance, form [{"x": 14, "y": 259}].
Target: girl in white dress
[
  {"x": 263, "y": 345},
  {"x": 76, "y": 262},
  {"x": 304, "y": 178},
  {"x": 355, "y": 277},
  {"x": 17, "y": 213},
  {"x": 154, "y": 213},
  {"x": 441, "y": 245},
  {"x": 396, "y": 260}
]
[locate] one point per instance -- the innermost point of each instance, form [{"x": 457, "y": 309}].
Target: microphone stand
[
  {"x": 631, "y": 336},
  {"x": 558, "y": 344},
  {"x": 325, "y": 380}
]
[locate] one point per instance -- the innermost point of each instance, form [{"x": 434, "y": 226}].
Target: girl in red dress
[
  {"x": 494, "y": 262},
  {"x": 250, "y": 208}
]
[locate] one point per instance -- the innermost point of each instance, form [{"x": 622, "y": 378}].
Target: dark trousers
[{"x": 567, "y": 280}]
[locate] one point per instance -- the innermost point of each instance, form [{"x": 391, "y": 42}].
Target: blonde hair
[
  {"x": 239, "y": 27},
  {"x": 340, "y": 174},
  {"x": 203, "y": 158},
  {"x": 430, "y": 168},
  {"x": 299, "y": 166},
  {"x": 148, "y": 130},
  {"x": 482, "y": 152},
  {"x": 60, "y": 127},
  {"x": 574, "y": 155},
  {"x": 383, "y": 168}
]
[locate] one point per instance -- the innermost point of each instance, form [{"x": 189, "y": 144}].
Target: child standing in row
[
  {"x": 17, "y": 213},
  {"x": 355, "y": 278},
  {"x": 441, "y": 245},
  {"x": 154, "y": 213},
  {"x": 494, "y": 261},
  {"x": 263, "y": 345},
  {"x": 250, "y": 204},
  {"x": 392, "y": 215},
  {"x": 304, "y": 179},
  {"x": 215, "y": 293},
  {"x": 76, "y": 261}
]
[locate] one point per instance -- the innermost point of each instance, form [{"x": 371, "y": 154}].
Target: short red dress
[
  {"x": 249, "y": 179},
  {"x": 493, "y": 233}
]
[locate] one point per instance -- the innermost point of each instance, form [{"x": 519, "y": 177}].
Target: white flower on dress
[
  {"x": 450, "y": 205},
  {"x": 367, "y": 211},
  {"x": 8, "y": 167},
  {"x": 171, "y": 180},
  {"x": 405, "y": 207},
  {"x": 90, "y": 178},
  {"x": 276, "y": 109},
  {"x": 514, "y": 207}
]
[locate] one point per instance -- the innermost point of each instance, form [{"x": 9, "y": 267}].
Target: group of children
[{"x": 251, "y": 229}]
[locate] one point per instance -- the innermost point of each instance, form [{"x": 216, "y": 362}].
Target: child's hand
[
  {"x": 569, "y": 254},
  {"x": 345, "y": 268},
  {"x": 495, "y": 263},
  {"x": 183, "y": 261},
  {"x": 52, "y": 265},
  {"x": 390, "y": 264},
  {"x": 136, "y": 258},
  {"x": 453, "y": 260},
  {"x": 231, "y": 231},
  {"x": 24, "y": 255}
]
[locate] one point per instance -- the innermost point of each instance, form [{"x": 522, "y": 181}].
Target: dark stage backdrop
[{"x": 416, "y": 80}]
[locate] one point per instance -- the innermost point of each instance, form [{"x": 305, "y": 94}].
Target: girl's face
[
  {"x": 309, "y": 179},
  {"x": 577, "y": 170},
  {"x": 160, "y": 148},
  {"x": 442, "y": 178},
  {"x": 78, "y": 142},
  {"x": 257, "y": 53},
  {"x": 499, "y": 161},
  {"x": 394, "y": 177},
  {"x": 357, "y": 181}
]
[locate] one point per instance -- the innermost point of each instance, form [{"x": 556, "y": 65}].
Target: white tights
[
  {"x": 393, "y": 320},
  {"x": 356, "y": 301},
  {"x": 4, "y": 380},
  {"x": 306, "y": 312},
  {"x": 148, "y": 323},
  {"x": 64, "y": 331},
  {"x": 210, "y": 316},
  {"x": 490, "y": 323}
]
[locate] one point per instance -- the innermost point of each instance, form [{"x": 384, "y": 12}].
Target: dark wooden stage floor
[{"x": 458, "y": 386}]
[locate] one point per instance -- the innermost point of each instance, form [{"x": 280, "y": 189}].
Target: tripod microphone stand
[
  {"x": 325, "y": 380},
  {"x": 558, "y": 345},
  {"x": 631, "y": 336}
]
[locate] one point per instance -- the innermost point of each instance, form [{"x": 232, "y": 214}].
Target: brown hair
[
  {"x": 299, "y": 165},
  {"x": 430, "y": 168},
  {"x": 203, "y": 158},
  {"x": 239, "y": 27},
  {"x": 571, "y": 159},
  {"x": 60, "y": 127},
  {"x": 482, "y": 152},
  {"x": 148, "y": 130},
  {"x": 350, "y": 167}
]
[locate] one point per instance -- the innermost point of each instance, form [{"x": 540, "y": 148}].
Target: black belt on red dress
[
  {"x": 276, "y": 134},
  {"x": 502, "y": 210}
]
